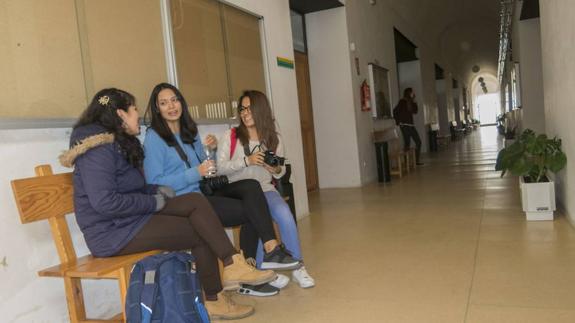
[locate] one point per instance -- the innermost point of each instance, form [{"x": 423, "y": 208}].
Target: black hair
[
  {"x": 407, "y": 92},
  {"x": 102, "y": 111},
  {"x": 154, "y": 120}
]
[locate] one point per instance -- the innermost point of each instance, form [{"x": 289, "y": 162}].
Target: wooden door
[{"x": 306, "y": 119}]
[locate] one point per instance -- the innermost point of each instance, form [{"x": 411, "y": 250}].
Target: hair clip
[{"x": 104, "y": 100}]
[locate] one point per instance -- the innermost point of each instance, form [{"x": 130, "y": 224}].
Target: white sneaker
[
  {"x": 280, "y": 282},
  {"x": 301, "y": 277}
]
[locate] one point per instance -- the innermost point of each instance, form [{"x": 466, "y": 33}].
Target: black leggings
[
  {"x": 187, "y": 222},
  {"x": 244, "y": 203}
]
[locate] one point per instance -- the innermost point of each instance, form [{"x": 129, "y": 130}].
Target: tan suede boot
[
  {"x": 225, "y": 308},
  {"x": 241, "y": 272}
]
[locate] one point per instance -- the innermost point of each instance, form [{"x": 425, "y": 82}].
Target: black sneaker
[
  {"x": 279, "y": 259},
  {"x": 258, "y": 290}
]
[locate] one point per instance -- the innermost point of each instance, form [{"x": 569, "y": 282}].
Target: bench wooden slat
[
  {"x": 43, "y": 197},
  {"x": 102, "y": 267},
  {"x": 115, "y": 319},
  {"x": 92, "y": 267}
]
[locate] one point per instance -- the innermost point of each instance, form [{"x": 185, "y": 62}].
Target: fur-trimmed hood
[{"x": 84, "y": 139}]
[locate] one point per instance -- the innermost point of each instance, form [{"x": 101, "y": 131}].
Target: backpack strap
[
  {"x": 149, "y": 292},
  {"x": 233, "y": 142},
  {"x": 150, "y": 266}
]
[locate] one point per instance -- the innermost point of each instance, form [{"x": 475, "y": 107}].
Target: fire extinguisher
[{"x": 365, "y": 96}]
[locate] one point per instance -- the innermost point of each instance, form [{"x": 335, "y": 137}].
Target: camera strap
[{"x": 183, "y": 155}]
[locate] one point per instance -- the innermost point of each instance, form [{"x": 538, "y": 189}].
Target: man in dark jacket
[{"x": 403, "y": 115}]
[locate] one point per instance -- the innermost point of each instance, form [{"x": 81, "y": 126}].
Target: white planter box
[{"x": 538, "y": 200}]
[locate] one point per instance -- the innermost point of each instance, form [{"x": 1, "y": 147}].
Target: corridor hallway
[{"x": 448, "y": 243}]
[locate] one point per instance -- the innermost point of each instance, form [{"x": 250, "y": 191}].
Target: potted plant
[{"x": 532, "y": 157}]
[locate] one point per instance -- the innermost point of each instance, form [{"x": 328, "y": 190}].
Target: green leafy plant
[{"x": 532, "y": 156}]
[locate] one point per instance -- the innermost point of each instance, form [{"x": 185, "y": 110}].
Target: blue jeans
[{"x": 281, "y": 215}]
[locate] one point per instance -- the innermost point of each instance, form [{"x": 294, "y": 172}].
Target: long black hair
[
  {"x": 102, "y": 111},
  {"x": 263, "y": 119},
  {"x": 154, "y": 120}
]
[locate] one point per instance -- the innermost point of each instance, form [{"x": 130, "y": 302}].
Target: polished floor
[{"x": 448, "y": 243}]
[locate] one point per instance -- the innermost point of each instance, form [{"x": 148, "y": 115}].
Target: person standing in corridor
[{"x": 403, "y": 115}]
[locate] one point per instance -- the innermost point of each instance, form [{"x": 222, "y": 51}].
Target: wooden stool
[
  {"x": 397, "y": 159},
  {"x": 410, "y": 159}
]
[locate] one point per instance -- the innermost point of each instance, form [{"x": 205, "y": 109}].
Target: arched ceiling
[{"x": 464, "y": 33}]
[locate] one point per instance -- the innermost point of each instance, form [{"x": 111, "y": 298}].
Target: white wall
[
  {"x": 410, "y": 77},
  {"x": 24, "y": 297},
  {"x": 332, "y": 99},
  {"x": 558, "y": 43},
  {"x": 531, "y": 74},
  {"x": 336, "y": 84}
]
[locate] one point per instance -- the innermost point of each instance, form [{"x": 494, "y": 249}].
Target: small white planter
[{"x": 538, "y": 200}]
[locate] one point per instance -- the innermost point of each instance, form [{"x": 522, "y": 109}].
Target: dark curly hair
[{"x": 105, "y": 114}]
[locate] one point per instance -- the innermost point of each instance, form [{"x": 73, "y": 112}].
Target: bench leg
[
  {"x": 75, "y": 299},
  {"x": 124, "y": 282}
]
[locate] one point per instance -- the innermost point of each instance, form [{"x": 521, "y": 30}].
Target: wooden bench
[{"x": 50, "y": 197}]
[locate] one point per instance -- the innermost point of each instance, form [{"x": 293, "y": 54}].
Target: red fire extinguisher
[{"x": 365, "y": 96}]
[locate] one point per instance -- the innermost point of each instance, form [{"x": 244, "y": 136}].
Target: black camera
[
  {"x": 210, "y": 184},
  {"x": 271, "y": 159}
]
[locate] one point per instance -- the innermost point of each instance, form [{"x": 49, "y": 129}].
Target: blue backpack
[{"x": 165, "y": 288}]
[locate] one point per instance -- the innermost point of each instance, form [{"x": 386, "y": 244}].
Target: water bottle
[{"x": 210, "y": 156}]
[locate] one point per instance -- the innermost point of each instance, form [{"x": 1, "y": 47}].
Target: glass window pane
[
  {"x": 200, "y": 59},
  {"x": 122, "y": 47},
  {"x": 40, "y": 62},
  {"x": 246, "y": 69}
]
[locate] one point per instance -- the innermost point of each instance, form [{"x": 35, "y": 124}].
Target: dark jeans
[
  {"x": 410, "y": 132},
  {"x": 244, "y": 203},
  {"x": 188, "y": 222}
]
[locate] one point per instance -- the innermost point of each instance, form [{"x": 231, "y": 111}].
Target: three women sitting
[{"x": 119, "y": 213}]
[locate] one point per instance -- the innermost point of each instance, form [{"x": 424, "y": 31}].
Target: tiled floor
[{"x": 448, "y": 243}]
